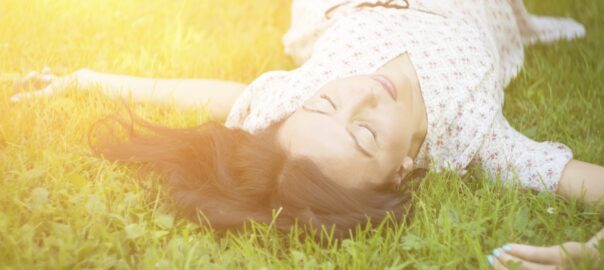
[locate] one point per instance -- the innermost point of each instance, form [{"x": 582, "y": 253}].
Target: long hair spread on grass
[{"x": 233, "y": 177}]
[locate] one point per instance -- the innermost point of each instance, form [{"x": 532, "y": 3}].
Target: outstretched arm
[
  {"x": 569, "y": 255},
  {"x": 507, "y": 154},
  {"x": 580, "y": 180},
  {"x": 217, "y": 96},
  {"x": 542, "y": 166}
]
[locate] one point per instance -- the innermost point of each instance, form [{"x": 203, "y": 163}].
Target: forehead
[
  {"x": 316, "y": 137},
  {"x": 322, "y": 141},
  {"x": 356, "y": 80}
]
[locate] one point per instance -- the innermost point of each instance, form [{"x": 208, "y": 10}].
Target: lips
[{"x": 387, "y": 84}]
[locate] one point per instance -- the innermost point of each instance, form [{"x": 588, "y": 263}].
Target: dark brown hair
[{"x": 232, "y": 177}]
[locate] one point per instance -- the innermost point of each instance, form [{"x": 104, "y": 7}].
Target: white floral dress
[{"x": 464, "y": 52}]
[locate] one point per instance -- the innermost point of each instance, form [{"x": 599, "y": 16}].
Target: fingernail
[
  {"x": 496, "y": 253},
  {"x": 490, "y": 259},
  {"x": 506, "y": 248}
]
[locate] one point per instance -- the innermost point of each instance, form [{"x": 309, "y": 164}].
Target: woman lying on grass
[{"x": 383, "y": 89}]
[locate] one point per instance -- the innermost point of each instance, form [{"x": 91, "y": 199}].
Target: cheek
[
  {"x": 396, "y": 127},
  {"x": 397, "y": 143}
]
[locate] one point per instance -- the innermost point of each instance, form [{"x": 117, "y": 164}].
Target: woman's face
[{"x": 356, "y": 129}]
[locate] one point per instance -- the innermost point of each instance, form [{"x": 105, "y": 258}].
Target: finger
[
  {"x": 15, "y": 98},
  {"x": 33, "y": 80},
  {"x": 495, "y": 264},
  {"x": 545, "y": 255},
  {"x": 28, "y": 95},
  {"x": 512, "y": 262}
]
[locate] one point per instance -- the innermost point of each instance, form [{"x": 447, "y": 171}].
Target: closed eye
[
  {"x": 373, "y": 133},
  {"x": 326, "y": 97},
  {"x": 365, "y": 138},
  {"x": 324, "y": 104}
]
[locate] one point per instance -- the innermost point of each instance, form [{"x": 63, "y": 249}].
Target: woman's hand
[
  {"x": 216, "y": 96},
  {"x": 45, "y": 83},
  {"x": 565, "y": 256}
]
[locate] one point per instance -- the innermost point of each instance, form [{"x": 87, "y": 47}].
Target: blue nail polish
[
  {"x": 506, "y": 248},
  {"x": 496, "y": 253},
  {"x": 490, "y": 259}
]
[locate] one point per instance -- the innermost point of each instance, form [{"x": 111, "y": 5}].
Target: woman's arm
[
  {"x": 579, "y": 180},
  {"x": 585, "y": 181},
  {"x": 537, "y": 164},
  {"x": 217, "y": 96},
  {"x": 567, "y": 255}
]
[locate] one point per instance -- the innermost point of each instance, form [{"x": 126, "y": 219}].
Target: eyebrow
[{"x": 356, "y": 142}]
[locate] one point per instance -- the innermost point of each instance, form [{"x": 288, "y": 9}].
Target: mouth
[{"x": 387, "y": 85}]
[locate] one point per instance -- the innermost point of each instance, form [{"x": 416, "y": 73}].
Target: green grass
[{"x": 61, "y": 208}]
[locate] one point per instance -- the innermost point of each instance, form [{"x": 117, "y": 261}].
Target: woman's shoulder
[
  {"x": 458, "y": 72},
  {"x": 276, "y": 94},
  {"x": 260, "y": 94}
]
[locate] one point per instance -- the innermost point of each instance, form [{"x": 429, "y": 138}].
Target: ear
[{"x": 405, "y": 168}]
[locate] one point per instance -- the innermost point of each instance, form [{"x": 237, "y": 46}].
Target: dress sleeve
[
  {"x": 535, "y": 28},
  {"x": 508, "y": 155}
]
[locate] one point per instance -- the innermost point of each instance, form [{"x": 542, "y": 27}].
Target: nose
[{"x": 358, "y": 100}]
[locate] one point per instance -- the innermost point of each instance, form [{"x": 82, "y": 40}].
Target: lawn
[{"x": 61, "y": 208}]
